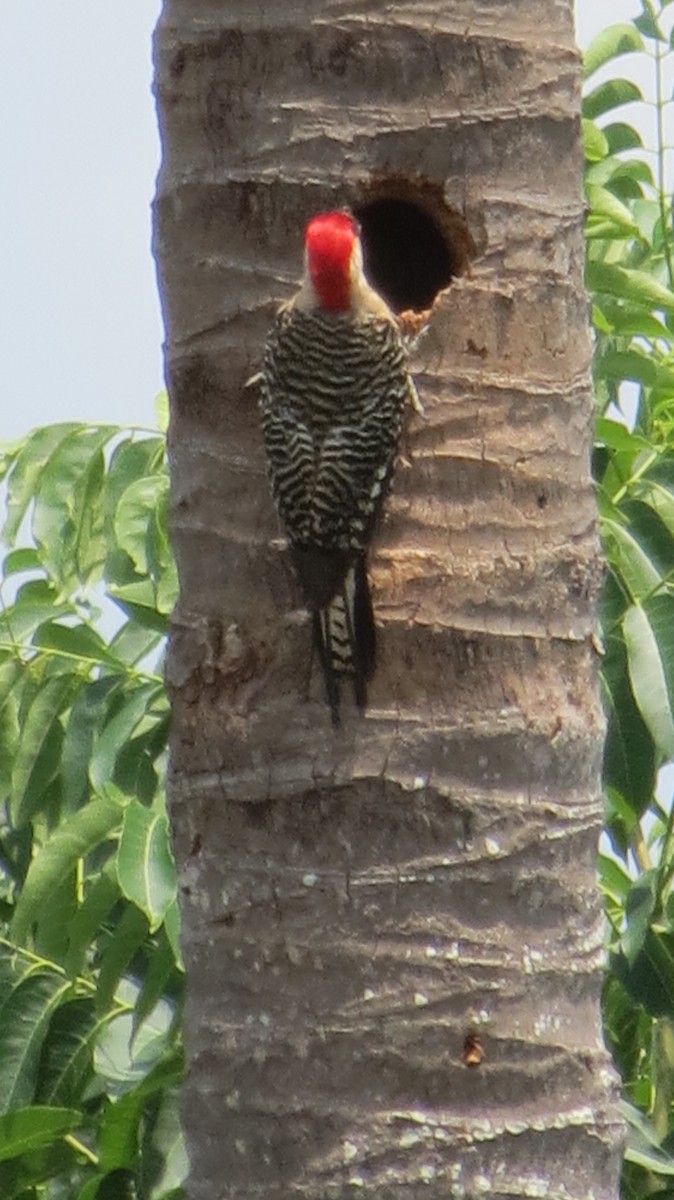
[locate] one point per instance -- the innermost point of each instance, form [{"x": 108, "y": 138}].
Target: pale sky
[{"x": 80, "y": 321}]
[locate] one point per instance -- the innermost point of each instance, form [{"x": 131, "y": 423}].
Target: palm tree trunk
[{"x": 367, "y": 914}]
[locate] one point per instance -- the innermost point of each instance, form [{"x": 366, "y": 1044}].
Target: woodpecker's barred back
[{"x": 334, "y": 385}]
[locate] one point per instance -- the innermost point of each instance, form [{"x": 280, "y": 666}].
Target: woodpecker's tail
[{"x": 345, "y": 639}]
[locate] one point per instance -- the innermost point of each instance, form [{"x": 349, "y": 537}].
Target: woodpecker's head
[{"x": 333, "y": 258}]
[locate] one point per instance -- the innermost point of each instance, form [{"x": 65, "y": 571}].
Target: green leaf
[
  {"x": 132, "y": 459},
  {"x": 9, "y": 737},
  {"x": 629, "y": 753},
  {"x": 656, "y": 488},
  {"x": 609, "y": 95},
  {"x": 664, "y": 383},
  {"x": 90, "y": 1191},
  {"x": 604, "y": 204},
  {"x": 167, "y": 1144},
  {"x": 71, "y": 841},
  {"x": 660, "y": 1164},
  {"x": 13, "y": 969},
  {"x": 620, "y": 823},
  {"x": 124, "y": 1062},
  {"x": 139, "y": 753},
  {"x": 87, "y": 718},
  {"x": 647, "y": 25},
  {"x": 38, "y": 751},
  {"x": 118, "y": 731},
  {"x": 90, "y": 543},
  {"x": 24, "y": 1019},
  {"x": 617, "y": 436},
  {"x": 594, "y": 141},
  {"x": 81, "y": 643},
  {"x": 628, "y": 187},
  {"x": 35, "y": 602},
  {"x": 133, "y": 516},
  {"x": 21, "y": 1177},
  {"x": 145, "y": 867},
  {"x": 161, "y": 563},
  {"x": 637, "y": 322},
  {"x": 669, "y": 910},
  {"x": 641, "y": 904},
  {"x": 66, "y": 1065},
  {"x": 631, "y": 556},
  {"x": 649, "y": 979},
  {"x": 132, "y": 643},
  {"x": 167, "y": 1073},
  {"x": 647, "y": 215},
  {"x": 102, "y": 894},
  {"x": 600, "y": 321},
  {"x": 130, "y": 933},
  {"x": 17, "y": 561},
  {"x": 643, "y": 1145},
  {"x": 13, "y": 673},
  {"x": 614, "y": 881},
  {"x": 609, "y": 44},
  {"x": 50, "y": 931},
  {"x": 601, "y": 229},
  {"x": 27, "y": 1128},
  {"x": 649, "y": 639},
  {"x": 119, "y": 1134},
  {"x": 627, "y": 364},
  {"x": 113, "y": 1185},
  {"x": 161, "y": 969},
  {"x": 620, "y": 136},
  {"x": 34, "y": 453},
  {"x": 67, "y": 507},
  {"x": 118, "y": 1137},
  {"x": 172, "y": 928},
  {"x": 631, "y": 285},
  {"x": 161, "y": 410},
  {"x": 632, "y": 168},
  {"x": 625, "y": 1024},
  {"x": 138, "y": 600}
]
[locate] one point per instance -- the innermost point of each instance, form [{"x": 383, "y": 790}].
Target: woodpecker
[{"x": 333, "y": 388}]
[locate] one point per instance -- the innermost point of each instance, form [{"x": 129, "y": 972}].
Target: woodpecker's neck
[
  {"x": 332, "y": 288},
  {"x": 334, "y": 278}
]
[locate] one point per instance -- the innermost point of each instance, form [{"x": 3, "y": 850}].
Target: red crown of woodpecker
[{"x": 330, "y": 239}]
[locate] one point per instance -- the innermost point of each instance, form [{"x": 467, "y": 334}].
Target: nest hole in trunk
[{"x": 414, "y": 244}]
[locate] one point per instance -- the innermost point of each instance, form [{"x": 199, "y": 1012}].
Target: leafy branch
[
  {"x": 91, "y": 977},
  {"x": 630, "y": 256}
]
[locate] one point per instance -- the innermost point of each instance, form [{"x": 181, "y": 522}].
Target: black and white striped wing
[
  {"x": 353, "y": 473},
  {"x": 332, "y": 402}
]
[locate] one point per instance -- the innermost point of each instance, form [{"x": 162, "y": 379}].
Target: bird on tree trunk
[{"x": 333, "y": 389}]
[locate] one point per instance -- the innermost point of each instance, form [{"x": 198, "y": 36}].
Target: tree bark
[{"x": 367, "y": 914}]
